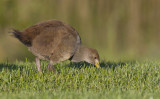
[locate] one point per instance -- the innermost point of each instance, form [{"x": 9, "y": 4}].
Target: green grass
[{"x": 114, "y": 80}]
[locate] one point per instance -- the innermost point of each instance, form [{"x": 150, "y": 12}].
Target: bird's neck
[{"x": 80, "y": 54}]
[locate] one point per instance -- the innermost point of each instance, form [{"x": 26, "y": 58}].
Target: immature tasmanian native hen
[{"x": 56, "y": 41}]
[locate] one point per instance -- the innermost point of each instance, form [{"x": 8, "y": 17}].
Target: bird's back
[{"x": 52, "y": 39}]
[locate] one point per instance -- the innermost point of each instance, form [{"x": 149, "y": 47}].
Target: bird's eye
[{"x": 95, "y": 57}]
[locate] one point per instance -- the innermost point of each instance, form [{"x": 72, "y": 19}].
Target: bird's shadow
[
  {"x": 79, "y": 65},
  {"x": 103, "y": 64},
  {"x": 9, "y": 67}
]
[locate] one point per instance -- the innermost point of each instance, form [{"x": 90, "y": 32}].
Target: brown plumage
[{"x": 56, "y": 41}]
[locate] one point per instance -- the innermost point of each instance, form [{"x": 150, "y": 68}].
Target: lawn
[{"x": 114, "y": 80}]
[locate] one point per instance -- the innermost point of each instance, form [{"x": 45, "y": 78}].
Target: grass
[{"x": 114, "y": 80}]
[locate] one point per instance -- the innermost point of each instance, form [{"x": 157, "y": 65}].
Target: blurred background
[{"x": 114, "y": 27}]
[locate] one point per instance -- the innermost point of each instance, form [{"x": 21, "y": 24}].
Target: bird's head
[{"x": 92, "y": 57}]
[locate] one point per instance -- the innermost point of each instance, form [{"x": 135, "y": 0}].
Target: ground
[{"x": 114, "y": 80}]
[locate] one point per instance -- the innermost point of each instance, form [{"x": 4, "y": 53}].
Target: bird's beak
[{"x": 97, "y": 64}]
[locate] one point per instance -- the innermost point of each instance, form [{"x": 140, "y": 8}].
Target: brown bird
[{"x": 56, "y": 41}]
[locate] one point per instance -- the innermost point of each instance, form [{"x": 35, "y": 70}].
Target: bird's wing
[{"x": 58, "y": 42}]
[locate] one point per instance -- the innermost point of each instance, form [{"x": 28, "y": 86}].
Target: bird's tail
[{"x": 21, "y": 37}]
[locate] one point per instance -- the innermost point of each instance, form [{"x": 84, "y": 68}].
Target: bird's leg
[
  {"x": 50, "y": 67},
  {"x": 38, "y": 64}
]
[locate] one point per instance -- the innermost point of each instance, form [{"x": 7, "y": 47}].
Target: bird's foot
[{"x": 51, "y": 68}]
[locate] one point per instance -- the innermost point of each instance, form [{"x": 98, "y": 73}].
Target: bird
[{"x": 55, "y": 41}]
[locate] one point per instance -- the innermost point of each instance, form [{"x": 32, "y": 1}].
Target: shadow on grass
[
  {"x": 10, "y": 67},
  {"x": 103, "y": 64}
]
